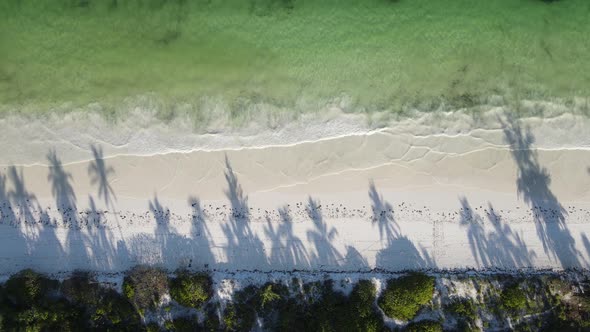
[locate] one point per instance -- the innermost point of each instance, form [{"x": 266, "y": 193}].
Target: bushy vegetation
[
  {"x": 144, "y": 286},
  {"x": 183, "y": 324},
  {"x": 191, "y": 289},
  {"x": 424, "y": 326},
  {"x": 30, "y": 301},
  {"x": 463, "y": 308},
  {"x": 465, "y": 311},
  {"x": 337, "y": 312},
  {"x": 513, "y": 298},
  {"x": 104, "y": 308},
  {"x": 404, "y": 296},
  {"x": 27, "y": 287},
  {"x": 310, "y": 307}
]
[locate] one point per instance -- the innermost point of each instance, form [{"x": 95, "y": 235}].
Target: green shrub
[
  {"x": 330, "y": 311},
  {"x": 31, "y": 302},
  {"x": 293, "y": 316},
  {"x": 362, "y": 315},
  {"x": 268, "y": 296},
  {"x": 113, "y": 310},
  {"x": 105, "y": 308},
  {"x": 463, "y": 308},
  {"x": 81, "y": 288},
  {"x": 241, "y": 314},
  {"x": 51, "y": 316},
  {"x": 128, "y": 289},
  {"x": 424, "y": 326},
  {"x": 144, "y": 286},
  {"x": 465, "y": 325},
  {"x": 152, "y": 327},
  {"x": 334, "y": 311},
  {"x": 513, "y": 298},
  {"x": 183, "y": 324},
  {"x": 190, "y": 289},
  {"x": 267, "y": 302},
  {"x": 211, "y": 323},
  {"x": 27, "y": 287},
  {"x": 230, "y": 318},
  {"x": 403, "y": 297}
]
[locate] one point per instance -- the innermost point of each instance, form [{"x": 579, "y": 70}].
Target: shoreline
[{"x": 141, "y": 133}]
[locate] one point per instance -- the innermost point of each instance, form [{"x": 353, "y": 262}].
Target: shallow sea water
[{"x": 296, "y": 56}]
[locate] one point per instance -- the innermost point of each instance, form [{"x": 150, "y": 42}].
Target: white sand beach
[{"x": 448, "y": 191}]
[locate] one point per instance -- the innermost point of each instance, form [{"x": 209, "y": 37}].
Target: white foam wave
[{"x": 26, "y": 140}]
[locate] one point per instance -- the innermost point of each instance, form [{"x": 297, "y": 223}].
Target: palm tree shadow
[
  {"x": 22, "y": 199},
  {"x": 166, "y": 247},
  {"x": 475, "y": 233},
  {"x": 355, "y": 260},
  {"x": 498, "y": 248},
  {"x": 586, "y": 243},
  {"x": 383, "y": 215},
  {"x": 7, "y": 216},
  {"x": 200, "y": 233},
  {"x": 99, "y": 174},
  {"x": 235, "y": 194},
  {"x": 170, "y": 246},
  {"x": 163, "y": 227},
  {"x": 287, "y": 250},
  {"x": 296, "y": 252},
  {"x": 533, "y": 186},
  {"x": 62, "y": 190},
  {"x": 17, "y": 206},
  {"x": 105, "y": 253},
  {"x": 244, "y": 246},
  {"x": 65, "y": 201},
  {"x": 401, "y": 253},
  {"x": 322, "y": 236}
]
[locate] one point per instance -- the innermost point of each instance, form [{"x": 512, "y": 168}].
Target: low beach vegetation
[
  {"x": 144, "y": 286},
  {"x": 403, "y": 297},
  {"x": 151, "y": 299},
  {"x": 424, "y": 326},
  {"x": 191, "y": 289}
]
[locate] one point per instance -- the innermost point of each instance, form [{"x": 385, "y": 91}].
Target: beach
[{"x": 510, "y": 194}]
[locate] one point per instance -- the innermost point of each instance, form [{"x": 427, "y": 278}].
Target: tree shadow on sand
[
  {"x": 533, "y": 186},
  {"x": 383, "y": 215},
  {"x": 65, "y": 201},
  {"x": 99, "y": 174},
  {"x": 498, "y": 248},
  {"x": 287, "y": 250},
  {"x": 355, "y": 260},
  {"x": 24, "y": 239},
  {"x": 165, "y": 247},
  {"x": 586, "y": 243},
  {"x": 104, "y": 252},
  {"x": 243, "y": 246},
  {"x": 62, "y": 190},
  {"x": 400, "y": 252},
  {"x": 7, "y": 216},
  {"x": 22, "y": 200},
  {"x": 201, "y": 235},
  {"x": 322, "y": 236}
]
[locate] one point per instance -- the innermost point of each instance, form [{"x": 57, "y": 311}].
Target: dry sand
[{"x": 513, "y": 195}]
